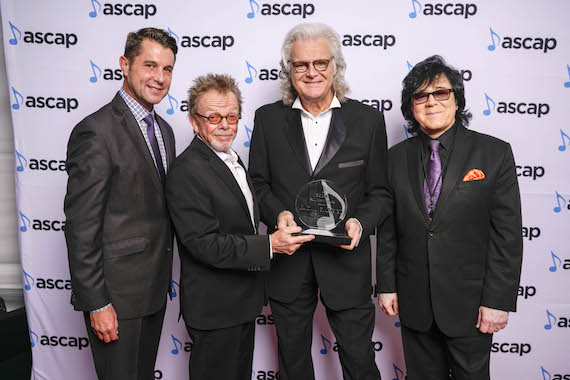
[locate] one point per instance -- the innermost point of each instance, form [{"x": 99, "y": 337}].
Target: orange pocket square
[{"x": 474, "y": 175}]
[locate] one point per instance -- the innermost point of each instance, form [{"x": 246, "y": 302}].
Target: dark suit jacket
[
  {"x": 354, "y": 157},
  {"x": 221, "y": 256},
  {"x": 117, "y": 230},
  {"x": 470, "y": 253}
]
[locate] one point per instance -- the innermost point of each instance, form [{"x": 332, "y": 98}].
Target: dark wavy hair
[
  {"x": 425, "y": 73},
  {"x": 135, "y": 39}
]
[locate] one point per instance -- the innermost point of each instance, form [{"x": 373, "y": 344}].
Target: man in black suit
[
  {"x": 118, "y": 232},
  {"x": 315, "y": 132},
  {"x": 450, "y": 257},
  {"x": 211, "y": 201}
]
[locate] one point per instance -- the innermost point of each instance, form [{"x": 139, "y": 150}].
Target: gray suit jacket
[{"x": 118, "y": 232}]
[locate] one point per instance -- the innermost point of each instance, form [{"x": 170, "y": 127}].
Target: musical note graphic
[
  {"x": 170, "y": 111},
  {"x": 325, "y": 350},
  {"x": 33, "y": 338},
  {"x": 562, "y": 147},
  {"x": 176, "y": 342},
  {"x": 410, "y": 66},
  {"x": 250, "y": 78},
  {"x": 396, "y": 371},
  {"x": 20, "y": 167},
  {"x": 398, "y": 324},
  {"x": 567, "y": 84},
  {"x": 544, "y": 373},
  {"x": 487, "y": 112},
  {"x": 93, "y": 13},
  {"x": 251, "y": 14},
  {"x": 493, "y": 35},
  {"x": 328, "y": 222},
  {"x": 249, "y": 132},
  {"x": 548, "y": 326},
  {"x": 25, "y": 221},
  {"x": 172, "y": 34},
  {"x": 95, "y": 69},
  {"x": 17, "y": 95},
  {"x": 415, "y": 12},
  {"x": 27, "y": 277},
  {"x": 174, "y": 293},
  {"x": 554, "y": 258},
  {"x": 14, "y": 41},
  {"x": 558, "y": 198}
]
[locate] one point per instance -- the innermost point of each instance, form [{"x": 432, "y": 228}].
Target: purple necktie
[
  {"x": 433, "y": 179},
  {"x": 149, "y": 120}
]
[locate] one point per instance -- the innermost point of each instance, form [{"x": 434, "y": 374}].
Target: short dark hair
[
  {"x": 425, "y": 73},
  {"x": 135, "y": 39},
  {"x": 222, "y": 83}
]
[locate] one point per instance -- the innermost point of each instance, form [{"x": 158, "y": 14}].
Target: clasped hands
[{"x": 284, "y": 242}]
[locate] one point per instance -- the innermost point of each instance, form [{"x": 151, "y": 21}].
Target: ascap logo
[
  {"x": 118, "y": 9},
  {"x": 105, "y": 74},
  {"x": 41, "y": 102},
  {"x": 265, "y": 375},
  {"x": 369, "y": 40},
  {"x": 527, "y": 291},
  {"x": 561, "y": 203},
  {"x": 443, "y": 9},
  {"x": 40, "y": 224},
  {"x": 522, "y": 108},
  {"x": 327, "y": 346},
  {"x": 528, "y": 43},
  {"x": 178, "y": 346},
  {"x": 558, "y": 263},
  {"x": 263, "y": 319},
  {"x": 530, "y": 172},
  {"x": 531, "y": 232},
  {"x": 557, "y": 376},
  {"x": 381, "y": 105},
  {"x": 511, "y": 348},
  {"x": 39, "y": 38},
  {"x": 279, "y": 9},
  {"x": 224, "y": 42},
  {"x": 553, "y": 321}
]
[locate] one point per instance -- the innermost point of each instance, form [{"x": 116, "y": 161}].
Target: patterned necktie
[
  {"x": 433, "y": 179},
  {"x": 149, "y": 120}
]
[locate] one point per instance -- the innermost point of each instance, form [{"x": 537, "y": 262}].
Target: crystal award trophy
[{"x": 321, "y": 206}]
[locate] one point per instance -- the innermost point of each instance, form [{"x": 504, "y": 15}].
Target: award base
[{"x": 324, "y": 236}]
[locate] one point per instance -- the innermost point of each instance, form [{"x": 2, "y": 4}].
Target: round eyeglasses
[
  {"x": 216, "y": 118},
  {"x": 303, "y": 66}
]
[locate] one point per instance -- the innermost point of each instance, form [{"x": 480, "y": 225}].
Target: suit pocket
[
  {"x": 350, "y": 164},
  {"x": 125, "y": 247}
]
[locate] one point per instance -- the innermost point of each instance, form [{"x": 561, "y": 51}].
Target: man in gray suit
[{"x": 118, "y": 232}]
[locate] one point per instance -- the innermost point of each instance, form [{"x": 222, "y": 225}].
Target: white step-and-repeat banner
[{"x": 63, "y": 64}]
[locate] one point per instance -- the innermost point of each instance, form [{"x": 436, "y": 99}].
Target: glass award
[{"x": 321, "y": 206}]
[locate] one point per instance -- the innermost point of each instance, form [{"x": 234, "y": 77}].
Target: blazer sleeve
[
  {"x": 269, "y": 205},
  {"x": 376, "y": 203},
  {"x": 504, "y": 256},
  {"x": 198, "y": 226},
  {"x": 89, "y": 170}
]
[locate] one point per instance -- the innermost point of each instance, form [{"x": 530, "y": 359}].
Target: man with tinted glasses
[
  {"x": 315, "y": 132},
  {"x": 450, "y": 257},
  {"x": 214, "y": 212}
]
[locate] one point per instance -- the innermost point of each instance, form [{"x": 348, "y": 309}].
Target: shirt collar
[
  {"x": 445, "y": 140},
  {"x": 231, "y": 156},
  {"x": 138, "y": 111},
  {"x": 297, "y": 105}
]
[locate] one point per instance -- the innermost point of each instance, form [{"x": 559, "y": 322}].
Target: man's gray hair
[{"x": 312, "y": 31}]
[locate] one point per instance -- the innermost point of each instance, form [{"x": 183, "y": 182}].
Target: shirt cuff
[
  {"x": 270, "y": 248},
  {"x": 101, "y": 308}
]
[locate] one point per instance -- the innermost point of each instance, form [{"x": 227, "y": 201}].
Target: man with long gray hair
[{"x": 316, "y": 132}]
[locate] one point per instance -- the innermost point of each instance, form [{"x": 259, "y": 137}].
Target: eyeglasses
[
  {"x": 319, "y": 65},
  {"x": 439, "y": 95},
  {"x": 216, "y": 118}
]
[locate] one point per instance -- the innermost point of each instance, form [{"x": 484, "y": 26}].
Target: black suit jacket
[
  {"x": 221, "y": 256},
  {"x": 117, "y": 229},
  {"x": 354, "y": 157},
  {"x": 470, "y": 253}
]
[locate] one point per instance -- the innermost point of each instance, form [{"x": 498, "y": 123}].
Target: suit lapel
[
  {"x": 296, "y": 138},
  {"x": 414, "y": 163},
  {"x": 457, "y": 159},
  {"x": 335, "y": 138},
  {"x": 255, "y": 205},
  {"x": 222, "y": 171},
  {"x": 133, "y": 130}
]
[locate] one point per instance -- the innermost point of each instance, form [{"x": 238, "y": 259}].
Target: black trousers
[
  {"x": 222, "y": 353},
  {"x": 432, "y": 355},
  {"x": 133, "y": 356},
  {"x": 352, "y": 328}
]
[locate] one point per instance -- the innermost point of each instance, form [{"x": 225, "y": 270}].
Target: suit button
[{"x": 431, "y": 233}]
